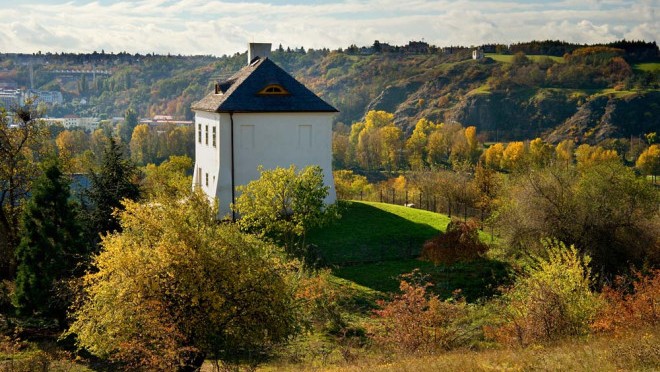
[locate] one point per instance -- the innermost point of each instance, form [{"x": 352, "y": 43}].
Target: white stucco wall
[
  {"x": 207, "y": 157},
  {"x": 268, "y": 139}
]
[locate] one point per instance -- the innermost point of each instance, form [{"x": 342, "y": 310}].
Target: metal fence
[{"x": 420, "y": 200}]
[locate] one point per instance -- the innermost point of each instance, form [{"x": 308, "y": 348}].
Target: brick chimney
[{"x": 258, "y": 50}]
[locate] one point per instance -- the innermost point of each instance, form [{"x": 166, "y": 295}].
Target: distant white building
[
  {"x": 478, "y": 54},
  {"x": 75, "y": 121},
  {"x": 259, "y": 116}
]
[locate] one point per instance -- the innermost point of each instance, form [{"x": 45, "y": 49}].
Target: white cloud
[{"x": 218, "y": 27}]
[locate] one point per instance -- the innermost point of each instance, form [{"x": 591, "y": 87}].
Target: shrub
[
  {"x": 550, "y": 298},
  {"x": 630, "y": 305},
  {"x": 459, "y": 243},
  {"x": 415, "y": 321}
]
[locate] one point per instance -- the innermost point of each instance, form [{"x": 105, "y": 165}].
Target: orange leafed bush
[
  {"x": 459, "y": 243},
  {"x": 630, "y": 308},
  {"x": 415, "y": 321}
]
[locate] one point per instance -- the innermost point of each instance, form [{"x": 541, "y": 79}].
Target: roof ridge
[{"x": 241, "y": 95}]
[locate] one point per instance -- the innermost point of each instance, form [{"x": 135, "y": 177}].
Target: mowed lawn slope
[
  {"x": 372, "y": 232},
  {"x": 374, "y": 243}
]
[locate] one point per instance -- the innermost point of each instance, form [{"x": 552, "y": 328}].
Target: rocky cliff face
[
  {"x": 553, "y": 114},
  {"x": 611, "y": 116}
]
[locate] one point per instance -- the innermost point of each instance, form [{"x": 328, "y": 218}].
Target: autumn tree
[
  {"x": 349, "y": 185},
  {"x": 649, "y": 161},
  {"x": 340, "y": 154},
  {"x": 514, "y": 156},
  {"x": 604, "y": 210},
  {"x": 392, "y": 145},
  {"x": 587, "y": 155},
  {"x": 493, "y": 156},
  {"x": 21, "y": 149},
  {"x": 51, "y": 245},
  {"x": 564, "y": 151},
  {"x": 550, "y": 298},
  {"x": 283, "y": 204},
  {"x": 71, "y": 145},
  {"x": 416, "y": 145},
  {"x": 175, "y": 287},
  {"x": 438, "y": 148},
  {"x": 541, "y": 153},
  {"x": 172, "y": 178},
  {"x": 488, "y": 185},
  {"x": 473, "y": 148},
  {"x": 141, "y": 145}
]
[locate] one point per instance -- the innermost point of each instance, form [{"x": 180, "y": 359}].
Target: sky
[{"x": 210, "y": 27}]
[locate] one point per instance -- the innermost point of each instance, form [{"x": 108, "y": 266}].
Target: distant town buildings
[
  {"x": 159, "y": 120},
  {"x": 75, "y": 121},
  {"x": 10, "y": 97}
]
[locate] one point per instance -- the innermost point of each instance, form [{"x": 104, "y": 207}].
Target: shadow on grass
[
  {"x": 476, "y": 279},
  {"x": 371, "y": 232}
]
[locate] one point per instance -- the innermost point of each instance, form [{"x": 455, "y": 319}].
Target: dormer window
[{"x": 273, "y": 89}]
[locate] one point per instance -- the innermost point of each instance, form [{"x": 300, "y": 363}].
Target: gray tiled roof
[{"x": 239, "y": 93}]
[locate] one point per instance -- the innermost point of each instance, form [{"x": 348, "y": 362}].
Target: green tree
[
  {"x": 175, "y": 287},
  {"x": 51, "y": 245},
  {"x": 117, "y": 179},
  {"x": 21, "y": 147},
  {"x": 129, "y": 124},
  {"x": 283, "y": 204}
]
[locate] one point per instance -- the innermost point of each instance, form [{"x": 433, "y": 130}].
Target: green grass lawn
[
  {"x": 474, "y": 279},
  {"x": 648, "y": 67},
  {"x": 371, "y": 232},
  {"x": 374, "y": 243},
  {"x": 508, "y": 58}
]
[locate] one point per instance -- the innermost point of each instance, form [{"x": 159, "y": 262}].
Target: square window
[{"x": 214, "y": 135}]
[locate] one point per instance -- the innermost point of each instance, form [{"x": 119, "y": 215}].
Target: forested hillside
[{"x": 558, "y": 90}]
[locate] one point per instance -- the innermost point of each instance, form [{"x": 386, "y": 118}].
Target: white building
[
  {"x": 259, "y": 116},
  {"x": 75, "y": 121},
  {"x": 478, "y": 54}
]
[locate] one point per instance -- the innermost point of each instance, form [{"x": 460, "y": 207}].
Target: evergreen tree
[
  {"x": 116, "y": 180},
  {"x": 51, "y": 245},
  {"x": 130, "y": 122}
]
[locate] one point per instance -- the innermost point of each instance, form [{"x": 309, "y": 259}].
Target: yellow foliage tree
[
  {"x": 416, "y": 144},
  {"x": 349, "y": 185},
  {"x": 392, "y": 144},
  {"x": 540, "y": 152},
  {"x": 513, "y": 157},
  {"x": 175, "y": 287},
  {"x": 649, "y": 161},
  {"x": 493, "y": 156},
  {"x": 564, "y": 151},
  {"x": 587, "y": 155}
]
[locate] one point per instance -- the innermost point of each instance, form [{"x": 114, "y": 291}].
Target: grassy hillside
[
  {"x": 374, "y": 243},
  {"x": 508, "y": 58},
  {"x": 370, "y": 232},
  {"x": 648, "y": 67}
]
